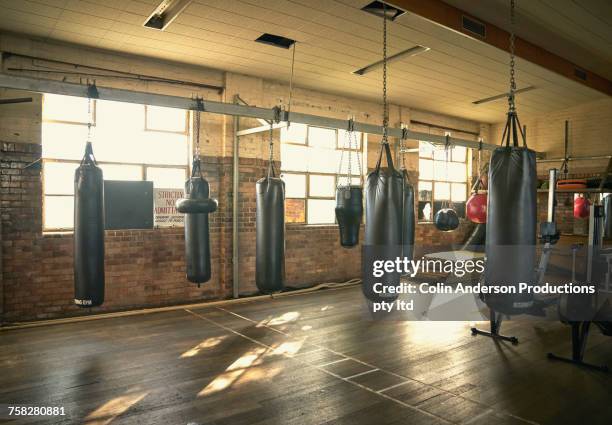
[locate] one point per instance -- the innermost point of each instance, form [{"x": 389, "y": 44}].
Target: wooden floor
[{"x": 304, "y": 359}]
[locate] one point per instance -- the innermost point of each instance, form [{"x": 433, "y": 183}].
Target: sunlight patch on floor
[{"x": 110, "y": 410}]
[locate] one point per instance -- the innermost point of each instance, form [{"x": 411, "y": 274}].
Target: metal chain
[
  {"x": 358, "y": 149},
  {"x": 271, "y": 153},
  {"x": 385, "y": 105},
  {"x": 89, "y": 119},
  {"x": 512, "y": 62},
  {"x": 197, "y": 133}
]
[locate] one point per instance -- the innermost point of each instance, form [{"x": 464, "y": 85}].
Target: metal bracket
[
  {"x": 277, "y": 111},
  {"x": 199, "y": 104},
  {"x": 92, "y": 91}
]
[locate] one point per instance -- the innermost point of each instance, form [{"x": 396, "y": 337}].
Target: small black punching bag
[
  {"x": 196, "y": 207},
  {"x": 88, "y": 232},
  {"x": 349, "y": 213}
]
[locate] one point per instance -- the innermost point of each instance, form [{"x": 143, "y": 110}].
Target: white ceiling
[{"x": 334, "y": 38}]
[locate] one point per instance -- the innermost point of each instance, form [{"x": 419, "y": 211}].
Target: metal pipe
[
  {"x": 577, "y": 158},
  {"x": 268, "y": 114},
  {"x": 552, "y": 184},
  {"x": 235, "y": 199}
]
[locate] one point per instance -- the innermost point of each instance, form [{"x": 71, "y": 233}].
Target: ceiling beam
[{"x": 451, "y": 17}]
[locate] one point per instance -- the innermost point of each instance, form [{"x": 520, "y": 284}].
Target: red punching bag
[
  {"x": 476, "y": 208},
  {"x": 581, "y": 207}
]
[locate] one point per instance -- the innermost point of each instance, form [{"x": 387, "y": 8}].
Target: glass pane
[
  {"x": 118, "y": 117},
  {"x": 59, "y": 177},
  {"x": 323, "y": 160},
  {"x": 59, "y": 211},
  {"x": 63, "y": 141},
  {"x": 322, "y": 186},
  {"x": 121, "y": 172},
  {"x": 167, "y": 178},
  {"x": 295, "y": 133},
  {"x": 321, "y": 211},
  {"x": 165, "y": 148},
  {"x": 166, "y": 119},
  {"x": 426, "y": 169},
  {"x": 343, "y": 141},
  {"x": 441, "y": 170},
  {"x": 459, "y": 192},
  {"x": 425, "y": 211},
  {"x": 457, "y": 172},
  {"x": 459, "y": 153},
  {"x": 295, "y": 211},
  {"x": 440, "y": 153},
  {"x": 295, "y": 185},
  {"x": 294, "y": 158},
  {"x": 426, "y": 150},
  {"x": 65, "y": 108},
  {"x": 425, "y": 191},
  {"x": 322, "y": 137},
  {"x": 441, "y": 191}
]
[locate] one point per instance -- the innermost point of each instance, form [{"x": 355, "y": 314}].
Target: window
[
  {"x": 310, "y": 158},
  {"x": 441, "y": 181},
  {"x": 130, "y": 142}
]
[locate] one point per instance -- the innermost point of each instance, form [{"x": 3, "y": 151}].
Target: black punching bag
[
  {"x": 384, "y": 232},
  {"x": 607, "y": 203},
  {"x": 88, "y": 232},
  {"x": 408, "y": 225},
  {"x": 196, "y": 206},
  {"x": 270, "y": 235},
  {"x": 511, "y": 224},
  {"x": 349, "y": 213}
]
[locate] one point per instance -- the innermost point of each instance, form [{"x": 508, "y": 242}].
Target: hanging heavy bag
[
  {"x": 349, "y": 197},
  {"x": 196, "y": 206},
  {"x": 476, "y": 208},
  {"x": 384, "y": 200},
  {"x": 607, "y": 203},
  {"x": 408, "y": 221},
  {"x": 88, "y": 232},
  {"x": 511, "y": 222},
  {"x": 270, "y": 231},
  {"x": 476, "y": 240},
  {"x": 349, "y": 213}
]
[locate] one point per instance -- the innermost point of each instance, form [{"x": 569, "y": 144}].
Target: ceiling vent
[
  {"x": 165, "y": 13},
  {"x": 473, "y": 26},
  {"x": 580, "y": 73},
  {"x": 376, "y": 8},
  {"x": 275, "y": 40}
]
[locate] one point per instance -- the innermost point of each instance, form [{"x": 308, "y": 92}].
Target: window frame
[
  {"x": 143, "y": 166},
  {"x": 433, "y": 181},
  {"x": 336, "y": 175}
]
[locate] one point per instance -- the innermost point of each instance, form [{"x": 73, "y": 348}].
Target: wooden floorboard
[{"x": 305, "y": 359}]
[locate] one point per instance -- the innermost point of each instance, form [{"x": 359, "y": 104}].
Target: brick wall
[{"x": 145, "y": 268}]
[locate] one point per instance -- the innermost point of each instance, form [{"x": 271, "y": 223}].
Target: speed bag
[
  {"x": 88, "y": 235},
  {"x": 270, "y": 235},
  {"x": 408, "y": 223},
  {"x": 446, "y": 220},
  {"x": 581, "y": 207},
  {"x": 197, "y": 233},
  {"x": 349, "y": 213},
  {"x": 511, "y": 227},
  {"x": 476, "y": 208}
]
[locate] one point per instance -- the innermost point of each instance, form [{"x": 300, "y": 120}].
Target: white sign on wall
[{"x": 165, "y": 213}]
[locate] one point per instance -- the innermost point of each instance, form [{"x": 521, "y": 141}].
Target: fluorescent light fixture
[
  {"x": 275, "y": 40},
  {"x": 413, "y": 51},
  {"x": 502, "y": 96},
  {"x": 165, "y": 13}
]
